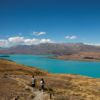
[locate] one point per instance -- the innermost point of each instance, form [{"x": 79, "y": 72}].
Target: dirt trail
[{"x": 39, "y": 95}]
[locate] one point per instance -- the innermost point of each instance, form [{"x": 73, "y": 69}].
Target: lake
[{"x": 91, "y": 69}]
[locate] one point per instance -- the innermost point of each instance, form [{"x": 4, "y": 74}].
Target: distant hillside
[
  {"x": 15, "y": 81},
  {"x": 51, "y": 48}
]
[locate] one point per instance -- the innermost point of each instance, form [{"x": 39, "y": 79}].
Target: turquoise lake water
[{"x": 91, "y": 69}]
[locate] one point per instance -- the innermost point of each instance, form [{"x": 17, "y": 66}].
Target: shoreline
[
  {"x": 81, "y": 56},
  {"x": 84, "y": 60},
  {"x": 51, "y": 73}
]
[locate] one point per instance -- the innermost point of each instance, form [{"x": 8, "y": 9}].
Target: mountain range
[{"x": 50, "y": 48}]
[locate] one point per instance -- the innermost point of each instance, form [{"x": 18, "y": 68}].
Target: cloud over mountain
[
  {"x": 3, "y": 43},
  {"x": 16, "y": 39},
  {"x": 12, "y": 41}
]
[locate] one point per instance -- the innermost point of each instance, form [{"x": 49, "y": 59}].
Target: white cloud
[
  {"x": 37, "y": 41},
  {"x": 46, "y": 41},
  {"x": 31, "y": 41},
  {"x": 3, "y": 43},
  {"x": 39, "y": 33},
  {"x": 16, "y": 39},
  {"x": 71, "y": 37},
  {"x": 13, "y": 41}
]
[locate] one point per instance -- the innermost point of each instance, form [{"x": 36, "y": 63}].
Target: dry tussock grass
[{"x": 16, "y": 79}]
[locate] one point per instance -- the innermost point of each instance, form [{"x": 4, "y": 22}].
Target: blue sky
[{"x": 60, "y": 20}]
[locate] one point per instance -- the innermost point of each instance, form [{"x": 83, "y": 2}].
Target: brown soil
[
  {"x": 15, "y": 80},
  {"x": 84, "y": 56}
]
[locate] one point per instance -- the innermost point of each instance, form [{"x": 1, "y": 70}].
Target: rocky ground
[{"x": 15, "y": 81}]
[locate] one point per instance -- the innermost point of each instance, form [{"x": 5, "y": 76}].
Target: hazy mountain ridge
[{"x": 51, "y": 48}]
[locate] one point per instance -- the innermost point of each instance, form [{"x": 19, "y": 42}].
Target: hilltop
[{"x": 15, "y": 80}]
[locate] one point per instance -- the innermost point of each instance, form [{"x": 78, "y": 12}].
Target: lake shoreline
[
  {"x": 84, "y": 68},
  {"x": 81, "y": 56},
  {"x": 84, "y": 60}
]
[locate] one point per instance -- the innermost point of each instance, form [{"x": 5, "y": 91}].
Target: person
[
  {"x": 33, "y": 82},
  {"x": 42, "y": 83}
]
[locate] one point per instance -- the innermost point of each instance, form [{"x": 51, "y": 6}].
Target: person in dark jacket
[{"x": 42, "y": 84}]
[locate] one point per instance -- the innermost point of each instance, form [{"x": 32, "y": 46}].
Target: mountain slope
[{"x": 15, "y": 80}]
